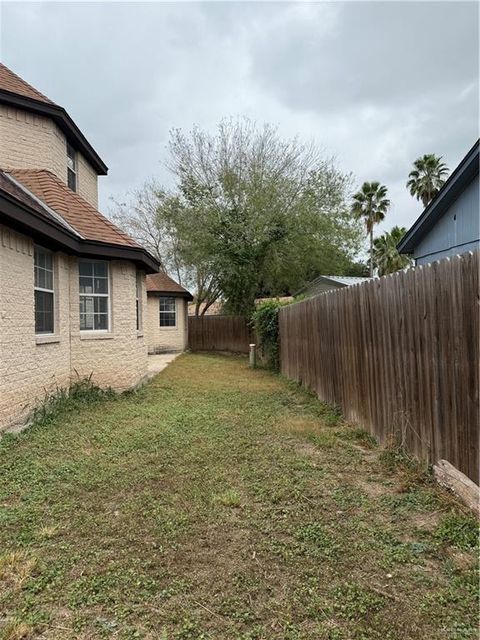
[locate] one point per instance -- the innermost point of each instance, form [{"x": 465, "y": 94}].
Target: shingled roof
[
  {"x": 76, "y": 211},
  {"x": 37, "y": 203},
  {"x": 16, "y": 93},
  {"x": 9, "y": 81},
  {"x": 162, "y": 283}
]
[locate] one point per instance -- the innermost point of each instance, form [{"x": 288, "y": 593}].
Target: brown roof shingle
[
  {"x": 9, "y": 81},
  {"x": 162, "y": 283},
  {"x": 76, "y": 211}
]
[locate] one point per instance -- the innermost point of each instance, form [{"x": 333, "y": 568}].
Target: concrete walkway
[{"x": 158, "y": 362}]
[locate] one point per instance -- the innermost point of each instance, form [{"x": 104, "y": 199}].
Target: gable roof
[
  {"x": 461, "y": 177},
  {"x": 17, "y": 93},
  {"x": 162, "y": 283},
  {"x": 37, "y": 203}
]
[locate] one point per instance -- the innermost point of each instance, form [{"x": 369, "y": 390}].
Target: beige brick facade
[
  {"x": 30, "y": 141},
  {"x": 30, "y": 365},
  {"x": 162, "y": 339}
]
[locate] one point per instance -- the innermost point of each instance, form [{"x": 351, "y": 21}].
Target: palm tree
[
  {"x": 385, "y": 253},
  {"x": 427, "y": 177},
  {"x": 371, "y": 204}
]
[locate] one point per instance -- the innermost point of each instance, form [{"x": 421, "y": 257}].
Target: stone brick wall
[
  {"x": 161, "y": 339},
  {"x": 32, "y": 365},
  {"x": 30, "y": 141}
]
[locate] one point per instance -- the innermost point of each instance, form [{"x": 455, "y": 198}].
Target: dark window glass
[
  {"x": 168, "y": 316},
  {"x": 71, "y": 167},
  {"x": 44, "y": 294},
  {"x": 94, "y": 291},
  {"x": 43, "y": 312}
]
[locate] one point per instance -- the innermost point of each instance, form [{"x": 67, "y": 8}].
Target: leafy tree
[
  {"x": 427, "y": 177},
  {"x": 250, "y": 214},
  {"x": 385, "y": 253},
  {"x": 277, "y": 208},
  {"x": 371, "y": 205}
]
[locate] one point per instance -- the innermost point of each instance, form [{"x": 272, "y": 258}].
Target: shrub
[{"x": 265, "y": 323}]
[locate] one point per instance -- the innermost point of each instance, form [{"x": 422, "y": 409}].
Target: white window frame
[
  {"x": 73, "y": 169},
  {"x": 167, "y": 327},
  {"x": 44, "y": 290},
  {"x": 96, "y": 295}
]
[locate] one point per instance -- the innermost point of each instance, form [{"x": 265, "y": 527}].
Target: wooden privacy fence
[
  {"x": 399, "y": 355},
  {"x": 219, "y": 333}
]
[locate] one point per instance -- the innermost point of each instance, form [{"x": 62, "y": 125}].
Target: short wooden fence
[
  {"x": 219, "y": 333},
  {"x": 399, "y": 355}
]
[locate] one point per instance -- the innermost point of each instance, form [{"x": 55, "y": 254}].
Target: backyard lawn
[{"x": 219, "y": 502}]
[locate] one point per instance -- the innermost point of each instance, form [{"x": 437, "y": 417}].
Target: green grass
[{"x": 220, "y": 502}]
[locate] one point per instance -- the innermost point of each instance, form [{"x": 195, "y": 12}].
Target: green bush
[{"x": 265, "y": 323}]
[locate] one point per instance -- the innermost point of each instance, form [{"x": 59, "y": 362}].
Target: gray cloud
[{"x": 376, "y": 84}]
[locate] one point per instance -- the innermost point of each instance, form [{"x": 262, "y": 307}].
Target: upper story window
[
  {"x": 44, "y": 291},
  {"x": 168, "y": 314},
  {"x": 71, "y": 167},
  {"x": 94, "y": 290}
]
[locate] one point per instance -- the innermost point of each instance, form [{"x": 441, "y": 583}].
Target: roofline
[
  {"x": 62, "y": 119},
  {"x": 52, "y": 234},
  {"x": 461, "y": 177},
  {"x": 175, "y": 294}
]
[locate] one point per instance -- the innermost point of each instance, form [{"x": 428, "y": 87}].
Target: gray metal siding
[{"x": 456, "y": 232}]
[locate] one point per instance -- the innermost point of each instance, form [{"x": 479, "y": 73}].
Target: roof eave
[
  {"x": 20, "y": 217},
  {"x": 466, "y": 171},
  {"x": 62, "y": 119},
  {"x": 176, "y": 294}
]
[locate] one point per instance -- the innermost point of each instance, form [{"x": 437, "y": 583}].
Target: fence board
[
  {"x": 219, "y": 333},
  {"x": 399, "y": 355}
]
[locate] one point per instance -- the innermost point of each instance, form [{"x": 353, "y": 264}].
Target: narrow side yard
[{"x": 220, "y": 502}]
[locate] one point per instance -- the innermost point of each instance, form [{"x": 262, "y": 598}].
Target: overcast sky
[{"x": 375, "y": 84}]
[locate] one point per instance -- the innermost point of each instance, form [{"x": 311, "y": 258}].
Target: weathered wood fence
[
  {"x": 219, "y": 333},
  {"x": 399, "y": 355}
]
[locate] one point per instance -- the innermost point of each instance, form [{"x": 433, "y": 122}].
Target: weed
[
  {"x": 354, "y": 602},
  {"x": 459, "y": 530}
]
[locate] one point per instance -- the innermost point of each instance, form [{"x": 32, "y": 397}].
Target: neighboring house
[
  {"x": 450, "y": 224},
  {"x": 72, "y": 285},
  {"x": 328, "y": 283},
  {"x": 167, "y": 314}
]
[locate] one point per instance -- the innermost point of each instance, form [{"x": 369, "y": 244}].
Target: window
[
  {"x": 138, "y": 301},
  {"x": 168, "y": 315},
  {"x": 94, "y": 295},
  {"x": 43, "y": 291},
  {"x": 71, "y": 167}
]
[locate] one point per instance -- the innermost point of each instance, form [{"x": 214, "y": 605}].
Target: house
[
  {"x": 450, "y": 224},
  {"x": 328, "y": 283},
  {"x": 72, "y": 285},
  {"x": 167, "y": 314}
]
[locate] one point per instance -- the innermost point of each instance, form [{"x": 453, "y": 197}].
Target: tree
[
  {"x": 385, "y": 253},
  {"x": 275, "y": 206},
  {"x": 250, "y": 214},
  {"x": 371, "y": 205},
  {"x": 427, "y": 177}
]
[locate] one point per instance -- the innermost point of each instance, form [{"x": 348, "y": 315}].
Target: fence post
[{"x": 253, "y": 356}]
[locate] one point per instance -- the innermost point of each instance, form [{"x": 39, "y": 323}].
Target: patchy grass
[{"x": 220, "y": 502}]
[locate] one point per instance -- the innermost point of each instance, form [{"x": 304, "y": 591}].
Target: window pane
[
  {"x": 101, "y": 285},
  {"x": 71, "y": 180},
  {"x": 101, "y": 305},
  {"x": 86, "y": 284},
  {"x": 101, "y": 322},
  {"x": 167, "y": 319},
  {"x": 167, "y": 303},
  {"x": 43, "y": 312},
  {"x": 101, "y": 269},
  {"x": 86, "y": 321},
  {"x": 85, "y": 268}
]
